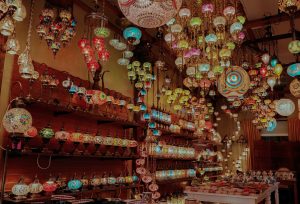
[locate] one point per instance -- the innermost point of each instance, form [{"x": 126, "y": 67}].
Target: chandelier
[
  {"x": 289, "y": 6},
  {"x": 56, "y": 27},
  {"x": 149, "y": 13},
  {"x": 92, "y": 44},
  {"x": 10, "y": 13},
  {"x": 204, "y": 37},
  {"x": 26, "y": 68},
  {"x": 141, "y": 74}
]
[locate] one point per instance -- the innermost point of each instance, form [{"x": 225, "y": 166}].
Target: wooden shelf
[
  {"x": 174, "y": 181},
  {"x": 209, "y": 163},
  {"x": 173, "y": 159},
  {"x": 182, "y": 135},
  {"x": 55, "y": 155},
  {"x": 207, "y": 143},
  {"x": 101, "y": 118},
  {"x": 75, "y": 194}
]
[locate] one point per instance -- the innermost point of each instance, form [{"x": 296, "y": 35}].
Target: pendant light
[{"x": 26, "y": 68}]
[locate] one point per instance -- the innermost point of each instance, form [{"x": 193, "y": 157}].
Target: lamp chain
[
  {"x": 30, "y": 24},
  {"x": 38, "y": 163}
]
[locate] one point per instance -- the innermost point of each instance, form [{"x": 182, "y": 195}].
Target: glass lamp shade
[
  {"x": 35, "y": 187},
  {"x": 274, "y": 61},
  {"x": 47, "y": 132},
  {"x": 204, "y": 67},
  {"x": 103, "y": 55},
  {"x": 207, "y": 9},
  {"x": 31, "y": 132},
  {"x": 136, "y": 64},
  {"x": 225, "y": 53},
  {"x": 183, "y": 44},
  {"x": 49, "y": 186},
  {"x": 149, "y": 14},
  {"x": 20, "y": 189},
  {"x": 230, "y": 45},
  {"x": 271, "y": 82},
  {"x": 12, "y": 45},
  {"x": 7, "y": 26},
  {"x": 128, "y": 54},
  {"x": 235, "y": 28},
  {"x": 294, "y": 47},
  {"x": 180, "y": 61},
  {"x": 169, "y": 37},
  {"x": 295, "y": 88},
  {"x": 211, "y": 38},
  {"x": 176, "y": 28},
  {"x": 20, "y": 13},
  {"x": 123, "y": 61},
  {"x": 229, "y": 12},
  {"x": 13, "y": 4},
  {"x": 195, "y": 22},
  {"x": 184, "y": 13},
  {"x": 3, "y": 7},
  {"x": 98, "y": 43},
  {"x": 102, "y": 32},
  {"x": 293, "y": 70},
  {"x": 132, "y": 34},
  {"x": 278, "y": 69},
  {"x": 62, "y": 135},
  {"x": 191, "y": 71},
  {"x": 93, "y": 66},
  {"x": 74, "y": 184},
  {"x": 241, "y": 36},
  {"x": 83, "y": 42},
  {"x": 120, "y": 46},
  {"x": 271, "y": 125},
  {"x": 219, "y": 22},
  {"x": 17, "y": 120},
  {"x": 143, "y": 107},
  {"x": 65, "y": 15},
  {"x": 241, "y": 19},
  {"x": 285, "y": 107},
  {"x": 113, "y": 42},
  {"x": 178, "y": 91},
  {"x": 47, "y": 15},
  {"x": 265, "y": 58}
]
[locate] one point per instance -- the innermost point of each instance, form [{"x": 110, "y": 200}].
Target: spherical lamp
[
  {"x": 17, "y": 121},
  {"x": 149, "y": 13},
  {"x": 132, "y": 34},
  {"x": 285, "y": 107}
]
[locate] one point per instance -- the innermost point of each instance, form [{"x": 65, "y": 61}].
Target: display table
[{"x": 235, "y": 199}]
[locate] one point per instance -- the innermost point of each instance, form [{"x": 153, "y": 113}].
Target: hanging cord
[
  {"x": 30, "y": 25},
  {"x": 38, "y": 162}
]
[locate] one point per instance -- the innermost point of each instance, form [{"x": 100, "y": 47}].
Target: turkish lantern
[{"x": 263, "y": 71}]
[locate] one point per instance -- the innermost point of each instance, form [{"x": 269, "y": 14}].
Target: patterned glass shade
[
  {"x": 149, "y": 13},
  {"x": 132, "y": 32},
  {"x": 17, "y": 120}
]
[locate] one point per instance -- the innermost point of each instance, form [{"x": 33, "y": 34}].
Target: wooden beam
[
  {"x": 281, "y": 17},
  {"x": 272, "y": 38}
]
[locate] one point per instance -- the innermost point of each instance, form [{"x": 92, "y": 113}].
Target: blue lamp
[
  {"x": 294, "y": 70},
  {"x": 132, "y": 34}
]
